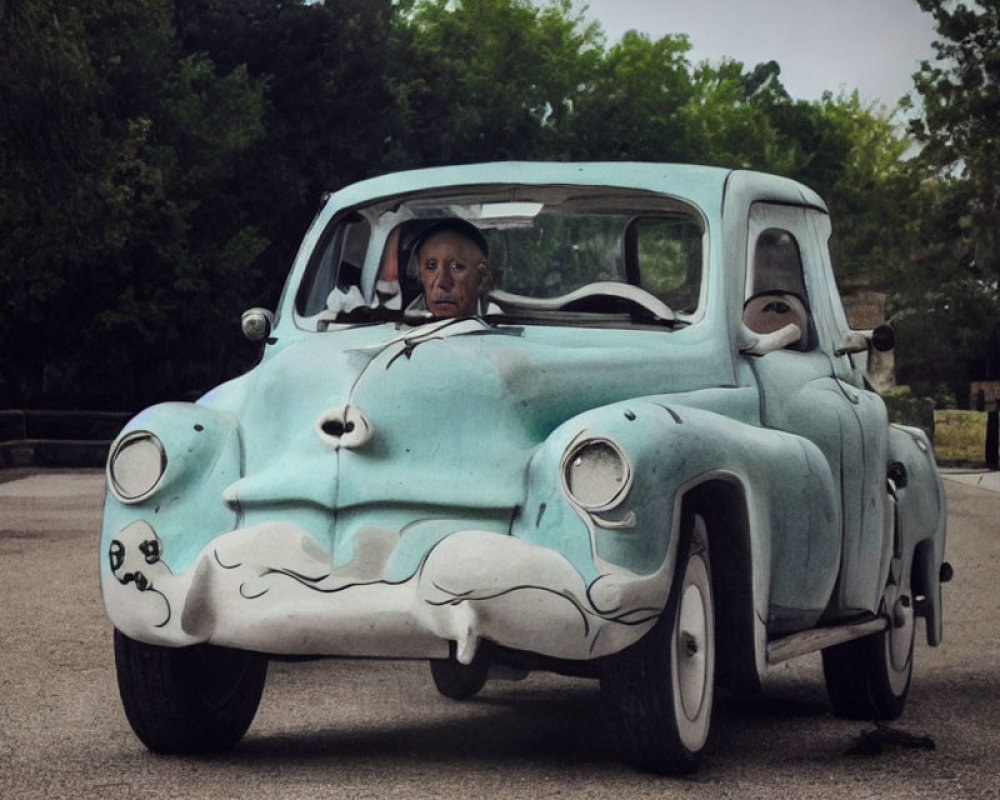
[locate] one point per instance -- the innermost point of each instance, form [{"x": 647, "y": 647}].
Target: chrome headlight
[
  {"x": 136, "y": 466},
  {"x": 596, "y": 474}
]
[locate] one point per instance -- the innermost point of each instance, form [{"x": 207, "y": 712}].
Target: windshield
[{"x": 573, "y": 255}]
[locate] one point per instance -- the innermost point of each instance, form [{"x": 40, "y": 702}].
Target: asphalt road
[{"x": 367, "y": 729}]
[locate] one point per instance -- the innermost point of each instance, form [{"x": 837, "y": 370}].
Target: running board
[{"x": 798, "y": 644}]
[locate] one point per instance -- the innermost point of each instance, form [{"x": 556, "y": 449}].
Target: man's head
[{"x": 451, "y": 261}]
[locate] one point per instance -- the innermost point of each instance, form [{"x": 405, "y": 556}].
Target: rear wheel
[
  {"x": 869, "y": 678},
  {"x": 659, "y": 692},
  {"x": 198, "y": 699}
]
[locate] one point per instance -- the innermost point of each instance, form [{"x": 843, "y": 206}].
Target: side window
[
  {"x": 777, "y": 264},
  {"x": 337, "y": 264},
  {"x": 776, "y": 290}
]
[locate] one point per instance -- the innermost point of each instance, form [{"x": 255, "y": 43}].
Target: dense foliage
[
  {"x": 160, "y": 159},
  {"x": 951, "y": 300}
]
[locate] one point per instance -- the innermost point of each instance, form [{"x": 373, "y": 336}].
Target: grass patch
[{"x": 960, "y": 437}]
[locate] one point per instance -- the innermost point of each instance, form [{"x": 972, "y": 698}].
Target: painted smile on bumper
[{"x": 472, "y": 584}]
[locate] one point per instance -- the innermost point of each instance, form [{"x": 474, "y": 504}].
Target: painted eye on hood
[{"x": 596, "y": 474}]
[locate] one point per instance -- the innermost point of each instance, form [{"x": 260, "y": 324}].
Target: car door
[{"x": 808, "y": 390}]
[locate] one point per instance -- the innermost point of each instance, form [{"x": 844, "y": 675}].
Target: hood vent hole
[
  {"x": 335, "y": 427},
  {"x": 344, "y": 427}
]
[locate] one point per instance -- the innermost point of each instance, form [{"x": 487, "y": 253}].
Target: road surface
[{"x": 368, "y": 729}]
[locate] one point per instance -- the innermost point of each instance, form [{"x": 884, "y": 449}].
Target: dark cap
[{"x": 458, "y": 225}]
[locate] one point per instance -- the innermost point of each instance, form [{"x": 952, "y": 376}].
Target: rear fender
[{"x": 922, "y": 510}]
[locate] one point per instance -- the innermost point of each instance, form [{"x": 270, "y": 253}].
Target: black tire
[
  {"x": 658, "y": 693},
  {"x": 461, "y": 681},
  {"x": 869, "y": 678},
  {"x": 198, "y": 699}
]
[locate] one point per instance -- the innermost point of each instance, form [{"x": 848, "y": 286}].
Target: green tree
[
  {"x": 118, "y": 153},
  {"x": 960, "y": 126},
  {"x": 631, "y": 108},
  {"x": 955, "y": 282},
  {"x": 55, "y": 148},
  {"x": 874, "y": 191},
  {"x": 728, "y": 120},
  {"x": 159, "y": 159},
  {"x": 329, "y": 113},
  {"x": 184, "y": 254},
  {"x": 489, "y": 79}
]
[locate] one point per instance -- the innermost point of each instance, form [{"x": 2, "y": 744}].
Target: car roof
[{"x": 703, "y": 185}]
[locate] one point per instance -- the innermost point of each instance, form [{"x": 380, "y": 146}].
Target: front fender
[
  {"x": 671, "y": 449},
  {"x": 163, "y": 532}
]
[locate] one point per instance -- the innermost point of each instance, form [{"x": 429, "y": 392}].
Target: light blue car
[{"x": 648, "y": 454}]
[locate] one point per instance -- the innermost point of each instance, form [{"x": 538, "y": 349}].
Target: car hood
[{"x": 444, "y": 416}]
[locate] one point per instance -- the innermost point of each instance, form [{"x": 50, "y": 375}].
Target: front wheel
[
  {"x": 658, "y": 692},
  {"x": 198, "y": 699},
  {"x": 461, "y": 681}
]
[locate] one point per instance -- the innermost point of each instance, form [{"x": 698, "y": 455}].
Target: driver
[{"x": 450, "y": 259}]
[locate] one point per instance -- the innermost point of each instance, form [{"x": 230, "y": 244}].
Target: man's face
[{"x": 451, "y": 270}]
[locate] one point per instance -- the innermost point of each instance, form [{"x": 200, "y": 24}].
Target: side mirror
[
  {"x": 882, "y": 338},
  {"x": 257, "y": 324}
]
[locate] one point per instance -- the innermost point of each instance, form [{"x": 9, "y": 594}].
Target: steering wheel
[{"x": 611, "y": 297}]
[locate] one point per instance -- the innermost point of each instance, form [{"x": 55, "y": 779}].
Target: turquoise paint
[
  {"x": 470, "y": 426},
  {"x": 186, "y": 510}
]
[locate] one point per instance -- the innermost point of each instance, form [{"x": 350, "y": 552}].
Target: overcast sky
[{"x": 870, "y": 45}]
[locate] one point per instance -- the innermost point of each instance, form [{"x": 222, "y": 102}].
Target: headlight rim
[
  {"x": 573, "y": 450},
  {"x": 113, "y": 483}
]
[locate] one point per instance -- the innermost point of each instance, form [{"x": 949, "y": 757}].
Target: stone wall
[{"x": 57, "y": 438}]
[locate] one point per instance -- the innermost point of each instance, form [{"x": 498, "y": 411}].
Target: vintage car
[{"x": 650, "y": 456}]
